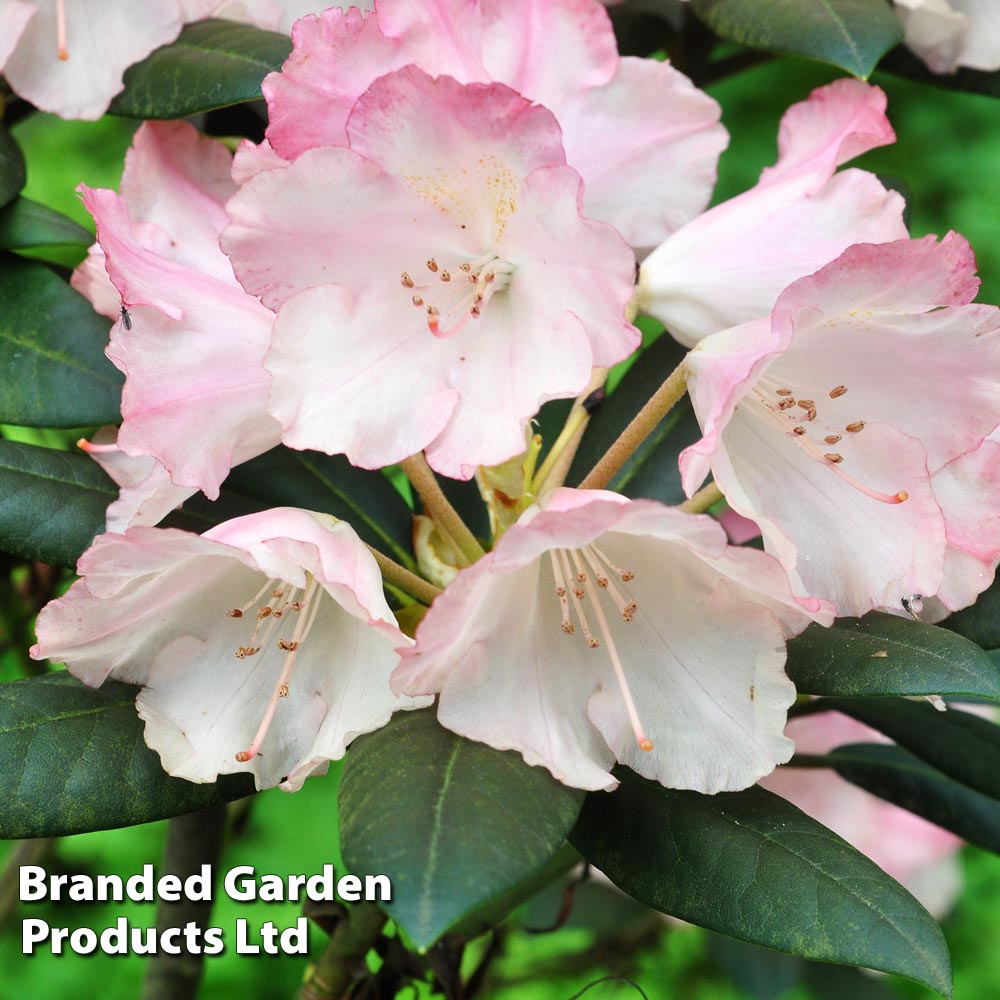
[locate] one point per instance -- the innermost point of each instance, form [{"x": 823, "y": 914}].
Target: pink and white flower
[
  {"x": 730, "y": 264},
  {"x": 268, "y": 630},
  {"x": 850, "y": 426},
  {"x": 195, "y": 390},
  {"x": 602, "y": 629},
  {"x": 948, "y": 34},
  {"x": 435, "y": 283},
  {"x": 644, "y": 139}
]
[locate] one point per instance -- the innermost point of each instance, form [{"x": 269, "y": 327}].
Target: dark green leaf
[
  {"x": 52, "y": 503},
  {"x": 751, "y": 865},
  {"x": 12, "y": 172},
  {"x": 25, "y": 224},
  {"x": 54, "y": 372},
  {"x": 365, "y": 499},
  {"x": 212, "y": 64},
  {"x": 652, "y": 471},
  {"x": 454, "y": 824},
  {"x": 981, "y": 622},
  {"x": 73, "y": 760},
  {"x": 851, "y": 34},
  {"x": 903, "y": 779},
  {"x": 884, "y": 654},
  {"x": 960, "y": 745}
]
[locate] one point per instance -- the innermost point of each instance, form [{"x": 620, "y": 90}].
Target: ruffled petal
[{"x": 647, "y": 145}]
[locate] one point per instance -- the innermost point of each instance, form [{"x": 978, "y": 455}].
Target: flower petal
[{"x": 647, "y": 145}]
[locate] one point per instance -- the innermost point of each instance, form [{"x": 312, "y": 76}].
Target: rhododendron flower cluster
[{"x": 450, "y": 223}]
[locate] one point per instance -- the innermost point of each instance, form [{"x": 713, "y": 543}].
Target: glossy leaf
[
  {"x": 73, "y": 759},
  {"x": 960, "y": 745},
  {"x": 12, "y": 169},
  {"x": 25, "y": 224},
  {"x": 212, "y": 64},
  {"x": 903, "y": 779},
  {"x": 851, "y": 34},
  {"x": 329, "y": 483},
  {"x": 981, "y": 622},
  {"x": 753, "y": 866},
  {"x": 52, "y": 503},
  {"x": 54, "y": 372},
  {"x": 478, "y": 823},
  {"x": 652, "y": 471},
  {"x": 884, "y": 654}
]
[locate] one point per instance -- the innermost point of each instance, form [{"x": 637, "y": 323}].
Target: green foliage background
[{"x": 945, "y": 162}]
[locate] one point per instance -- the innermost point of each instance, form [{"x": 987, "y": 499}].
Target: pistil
[
  {"x": 587, "y": 587},
  {"x": 310, "y": 604}
]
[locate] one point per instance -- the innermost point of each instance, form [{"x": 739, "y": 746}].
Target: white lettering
[
  {"x": 31, "y": 885},
  {"x": 244, "y": 891},
  {"x": 32, "y": 932}
]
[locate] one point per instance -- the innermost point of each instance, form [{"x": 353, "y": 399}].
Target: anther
[
  {"x": 406, "y": 280},
  {"x": 264, "y": 612},
  {"x": 234, "y": 613},
  {"x": 811, "y": 413},
  {"x": 432, "y": 265},
  {"x": 287, "y": 645},
  {"x": 242, "y": 757},
  {"x": 446, "y": 275},
  {"x": 784, "y": 392},
  {"x": 834, "y": 457},
  {"x": 282, "y": 690},
  {"x": 807, "y": 404},
  {"x": 832, "y": 438},
  {"x": 244, "y": 651},
  {"x": 417, "y": 300},
  {"x": 784, "y": 404},
  {"x": 798, "y": 430},
  {"x": 467, "y": 267},
  {"x": 858, "y": 425},
  {"x": 838, "y": 391}
]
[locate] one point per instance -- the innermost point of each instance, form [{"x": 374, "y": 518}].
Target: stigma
[{"x": 586, "y": 574}]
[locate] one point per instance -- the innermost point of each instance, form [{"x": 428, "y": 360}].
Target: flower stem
[
  {"x": 706, "y": 497},
  {"x": 560, "y": 457},
  {"x": 642, "y": 425},
  {"x": 439, "y": 507},
  {"x": 401, "y": 577}
]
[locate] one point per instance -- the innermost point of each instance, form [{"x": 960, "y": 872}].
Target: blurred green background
[{"x": 947, "y": 163}]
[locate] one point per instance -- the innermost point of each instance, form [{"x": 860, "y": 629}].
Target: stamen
[
  {"x": 858, "y": 425},
  {"x": 783, "y": 392},
  {"x": 798, "y": 430},
  {"x": 61, "y": 47},
  {"x": 302, "y": 629},
  {"x": 838, "y": 391},
  {"x": 832, "y": 438},
  {"x": 807, "y": 404},
  {"x": 625, "y": 574},
  {"x": 580, "y": 594},
  {"x": 626, "y": 606},
  {"x": 834, "y": 457},
  {"x": 406, "y": 280},
  {"x": 557, "y": 573},
  {"x": 432, "y": 265}
]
